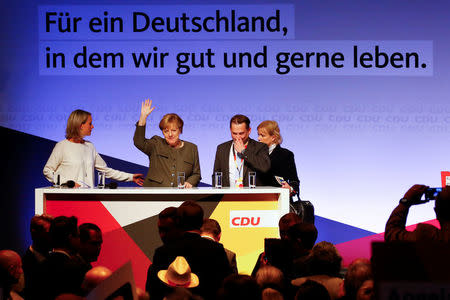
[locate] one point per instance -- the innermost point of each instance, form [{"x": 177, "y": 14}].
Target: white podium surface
[{"x": 141, "y": 193}]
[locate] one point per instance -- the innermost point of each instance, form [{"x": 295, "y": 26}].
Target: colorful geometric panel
[
  {"x": 118, "y": 247},
  {"x": 145, "y": 232},
  {"x": 128, "y": 237}
]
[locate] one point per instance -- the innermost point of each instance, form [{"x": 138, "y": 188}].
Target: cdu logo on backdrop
[{"x": 254, "y": 218}]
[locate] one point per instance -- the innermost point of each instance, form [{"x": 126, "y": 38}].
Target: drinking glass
[
  {"x": 101, "y": 180},
  {"x": 218, "y": 180},
  {"x": 252, "y": 180},
  {"x": 180, "y": 180}
]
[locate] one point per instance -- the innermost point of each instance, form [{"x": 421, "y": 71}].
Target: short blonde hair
[
  {"x": 76, "y": 119},
  {"x": 171, "y": 118},
  {"x": 272, "y": 129},
  {"x": 269, "y": 275}
]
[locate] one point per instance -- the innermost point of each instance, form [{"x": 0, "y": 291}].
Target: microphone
[
  {"x": 112, "y": 185},
  {"x": 57, "y": 181},
  {"x": 70, "y": 184}
]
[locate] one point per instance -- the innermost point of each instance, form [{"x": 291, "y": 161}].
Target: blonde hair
[
  {"x": 272, "y": 129},
  {"x": 171, "y": 118},
  {"x": 269, "y": 275},
  {"x": 76, "y": 119}
]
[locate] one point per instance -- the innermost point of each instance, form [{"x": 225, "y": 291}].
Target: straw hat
[{"x": 179, "y": 274}]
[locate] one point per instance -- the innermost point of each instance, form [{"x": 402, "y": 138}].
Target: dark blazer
[
  {"x": 282, "y": 164},
  {"x": 166, "y": 162},
  {"x": 206, "y": 258},
  {"x": 59, "y": 274},
  {"x": 232, "y": 260},
  {"x": 30, "y": 266},
  {"x": 256, "y": 159}
]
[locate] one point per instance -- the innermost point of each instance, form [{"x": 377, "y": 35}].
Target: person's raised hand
[
  {"x": 146, "y": 110},
  {"x": 414, "y": 194}
]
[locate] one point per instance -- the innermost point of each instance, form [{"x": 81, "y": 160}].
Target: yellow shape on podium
[{"x": 246, "y": 242}]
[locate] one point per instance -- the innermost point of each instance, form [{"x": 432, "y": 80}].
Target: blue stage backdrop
[{"x": 358, "y": 88}]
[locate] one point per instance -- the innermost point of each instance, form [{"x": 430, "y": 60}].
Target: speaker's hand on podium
[{"x": 138, "y": 179}]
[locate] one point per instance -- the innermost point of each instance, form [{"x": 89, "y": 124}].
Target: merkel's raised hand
[{"x": 146, "y": 109}]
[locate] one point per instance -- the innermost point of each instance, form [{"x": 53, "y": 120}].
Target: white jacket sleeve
[
  {"x": 101, "y": 166},
  {"x": 53, "y": 163}
]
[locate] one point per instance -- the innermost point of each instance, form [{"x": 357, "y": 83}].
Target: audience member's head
[
  {"x": 142, "y": 295},
  {"x": 358, "y": 281},
  {"x": 312, "y": 290},
  {"x": 39, "y": 229},
  {"x": 190, "y": 216},
  {"x": 239, "y": 287},
  {"x": 325, "y": 259},
  {"x": 303, "y": 235},
  {"x": 91, "y": 241},
  {"x": 64, "y": 233},
  {"x": 182, "y": 294},
  {"x": 442, "y": 205},
  {"x": 271, "y": 294},
  {"x": 10, "y": 269},
  {"x": 179, "y": 274},
  {"x": 66, "y": 296},
  {"x": 167, "y": 225},
  {"x": 270, "y": 276},
  {"x": 366, "y": 291},
  {"x": 211, "y": 228},
  {"x": 287, "y": 221},
  {"x": 94, "y": 277}
]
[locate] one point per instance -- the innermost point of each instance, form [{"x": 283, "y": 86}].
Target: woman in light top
[
  {"x": 75, "y": 158},
  {"x": 282, "y": 163},
  {"x": 168, "y": 156}
]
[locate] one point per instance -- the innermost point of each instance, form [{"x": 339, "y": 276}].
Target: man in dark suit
[
  {"x": 211, "y": 230},
  {"x": 91, "y": 240},
  {"x": 236, "y": 158},
  {"x": 36, "y": 253},
  {"x": 206, "y": 258},
  {"x": 63, "y": 271}
]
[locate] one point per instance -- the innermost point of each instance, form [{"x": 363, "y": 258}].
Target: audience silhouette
[{"x": 193, "y": 264}]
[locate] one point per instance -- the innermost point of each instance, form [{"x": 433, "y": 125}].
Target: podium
[{"x": 128, "y": 218}]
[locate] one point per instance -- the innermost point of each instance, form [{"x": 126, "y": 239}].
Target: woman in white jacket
[{"x": 74, "y": 158}]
